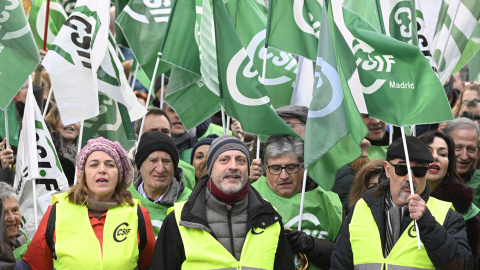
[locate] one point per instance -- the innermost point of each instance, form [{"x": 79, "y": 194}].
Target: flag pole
[
  {"x": 5, "y": 114},
  {"x": 79, "y": 147},
  {"x": 162, "y": 91},
  {"x": 390, "y": 135},
  {"x": 442, "y": 52},
  {"x": 412, "y": 191},
  {"x": 227, "y": 126},
  {"x": 302, "y": 199},
  {"x": 34, "y": 189},
  {"x": 159, "y": 55},
  {"x": 46, "y": 26},
  {"x": 223, "y": 122},
  {"x": 48, "y": 102},
  {"x": 134, "y": 76}
]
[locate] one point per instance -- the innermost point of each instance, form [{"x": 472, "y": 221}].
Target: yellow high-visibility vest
[
  {"x": 367, "y": 247},
  {"x": 203, "y": 251},
  {"x": 77, "y": 247}
]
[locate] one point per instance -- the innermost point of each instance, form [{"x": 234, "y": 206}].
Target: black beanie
[
  {"x": 155, "y": 141},
  {"x": 205, "y": 141}
]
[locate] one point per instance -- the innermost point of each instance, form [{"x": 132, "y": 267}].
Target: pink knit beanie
[{"x": 114, "y": 149}]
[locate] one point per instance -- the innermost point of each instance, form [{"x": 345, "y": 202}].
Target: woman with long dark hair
[{"x": 445, "y": 184}]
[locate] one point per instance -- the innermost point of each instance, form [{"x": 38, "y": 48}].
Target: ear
[{"x": 387, "y": 165}]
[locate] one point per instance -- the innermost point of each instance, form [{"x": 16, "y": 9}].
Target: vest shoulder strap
[
  {"x": 142, "y": 229},
  {"x": 51, "y": 228}
]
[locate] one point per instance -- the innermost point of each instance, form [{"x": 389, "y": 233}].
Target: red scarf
[{"x": 229, "y": 199}]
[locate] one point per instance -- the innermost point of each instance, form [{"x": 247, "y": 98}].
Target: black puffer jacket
[
  {"x": 446, "y": 245},
  {"x": 461, "y": 196},
  {"x": 169, "y": 251}
]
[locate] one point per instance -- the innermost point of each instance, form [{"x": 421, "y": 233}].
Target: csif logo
[
  {"x": 159, "y": 10},
  {"x": 312, "y": 27},
  {"x": 368, "y": 60},
  {"x": 311, "y": 218},
  {"x": 121, "y": 232},
  {"x": 412, "y": 232},
  {"x": 400, "y": 25}
]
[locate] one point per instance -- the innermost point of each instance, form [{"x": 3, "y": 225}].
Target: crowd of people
[{"x": 200, "y": 199}]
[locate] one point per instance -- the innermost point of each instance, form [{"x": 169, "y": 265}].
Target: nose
[
  {"x": 9, "y": 216},
  {"x": 159, "y": 166},
  {"x": 463, "y": 154},
  {"x": 232, "y": 165},
  {"x": 283, "y": 173}
]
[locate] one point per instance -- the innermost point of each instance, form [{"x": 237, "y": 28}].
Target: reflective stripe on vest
[
  {"x": 203, "y": 251},
  {"x": 77, "y": 246},
  {"x": 367, "y": 247}
]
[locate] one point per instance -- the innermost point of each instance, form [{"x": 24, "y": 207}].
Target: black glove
[{"x": 300, "y": 242}]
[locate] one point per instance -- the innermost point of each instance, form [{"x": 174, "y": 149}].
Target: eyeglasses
[
  {"x": 291, "y": 124},
  {"x": 401, "y": 170},
  {"x": 289, "y": 168}
]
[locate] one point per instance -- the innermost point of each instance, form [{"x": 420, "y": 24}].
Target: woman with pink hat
[{"x": 97, "y": 224}]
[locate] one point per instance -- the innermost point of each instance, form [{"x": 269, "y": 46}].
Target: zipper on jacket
[{"x": 231, "y": 231}]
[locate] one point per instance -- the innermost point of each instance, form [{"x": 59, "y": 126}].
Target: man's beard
[
  {"x": 400, "y": 194},
  {"x": 219, "y": 182}
]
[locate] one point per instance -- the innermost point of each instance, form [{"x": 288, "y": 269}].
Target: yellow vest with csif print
[{"x": 405, "y": 255}]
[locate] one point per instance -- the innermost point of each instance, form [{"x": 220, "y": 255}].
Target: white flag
[
  {"x": 74, "y": 58},
  {"x": 36, "y": 159}
]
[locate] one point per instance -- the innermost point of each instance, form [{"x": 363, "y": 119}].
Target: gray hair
[
  {"x": 277, "y": 146},
  {"x": 7, "y": 191},
  {"x": 461, "y": 123}
]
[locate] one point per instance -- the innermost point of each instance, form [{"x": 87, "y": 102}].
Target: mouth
[
  {"x": 434, "y": 168},
  {"x": 285, "y": 184},
  {"x": 68, "y": 128},
  {"x": 11, "y": 227},
  {"x": 177, "y": 123},
  {"x": 102, "y": 181}
]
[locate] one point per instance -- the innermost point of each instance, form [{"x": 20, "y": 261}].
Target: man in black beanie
[
  {"x": 380, "y": 229},
  {"x": 159, "y": 184}
]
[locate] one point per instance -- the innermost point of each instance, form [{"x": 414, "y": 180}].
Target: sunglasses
[{"x": 401, "y": 170}]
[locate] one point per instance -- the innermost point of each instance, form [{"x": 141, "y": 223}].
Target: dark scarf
[
  {"x": 393, "y": 223},
  {"x": 229, "y": 199}
]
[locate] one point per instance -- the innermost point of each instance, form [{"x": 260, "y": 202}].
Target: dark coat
[
  {"x": 461, "y": 196},
  {"x": 169, "y": 251},
  {"x": 446, "y": 245}
]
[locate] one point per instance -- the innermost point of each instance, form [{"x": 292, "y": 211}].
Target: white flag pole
[
  {"x": 148, "y": 99},
  {"x": 79, "y": 147},
  {"x": 48, "y": 102},
  {"x": 7, "y": 141},
  {"x": 162, "y": 90},
  {"x": 224, "y": 125},
  {"x": 302, "y": 199},
  {"x": 412, "y": 191},
  {"x": 227, "y": 126},
  {"x": 34, "y": 188},
  {"x": 263, "y": 82},
  {"x": 390, "y": 135},
  {"x": 134, "y": 76}
]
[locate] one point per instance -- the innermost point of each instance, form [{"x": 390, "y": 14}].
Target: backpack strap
[
  {"x": 50, "y": 229},
  {"x": 142, "y": 230}
]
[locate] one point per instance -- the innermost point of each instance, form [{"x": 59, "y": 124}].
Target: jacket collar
[{"x": 173, "y": 192}]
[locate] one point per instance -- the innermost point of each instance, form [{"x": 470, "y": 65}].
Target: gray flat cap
[{"x": 300, "y": 112}]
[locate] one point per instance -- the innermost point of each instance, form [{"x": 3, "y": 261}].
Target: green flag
[
  {"x": 250, "y": 24},
  {"x": 294, "y": 26},
  {"x": 18, "y": 54},
  {"x": 13, "y": 124},
  {"x": 144, "y": 24},
  {"x": 112, "y": 123},
  {"x": 334, "y": 127},
  {"x": 398, "y": 84},
  {"x": 456, "y": 23},
  {"x": 187, "y": 87},
  {"x": 57, "y": 16},
  {"x": 241, "y": 94}
]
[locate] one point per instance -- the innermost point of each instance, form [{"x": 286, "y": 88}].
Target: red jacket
[{"x": 39, "y": 255}]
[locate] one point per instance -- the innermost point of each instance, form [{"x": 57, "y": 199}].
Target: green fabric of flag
[
  {"x": 241, "y": 94},
  {"x": 56, "y": 18},
  {"x": 13, "y": 124},
  {"x": 455, "y": 25},
  {"x": 112, "y": 123},
  {"x": 294, "y": 26},
  {"x": 397, "y": 81},
  {"x": 144, "y": 24},
  {"x": 17, "y": 48},
  {"x": 334, "y": 127},
  {"x": 250, "y": 23},
  {"x": 186, "y": 88},
  {"x": 322, "y": 211}
]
